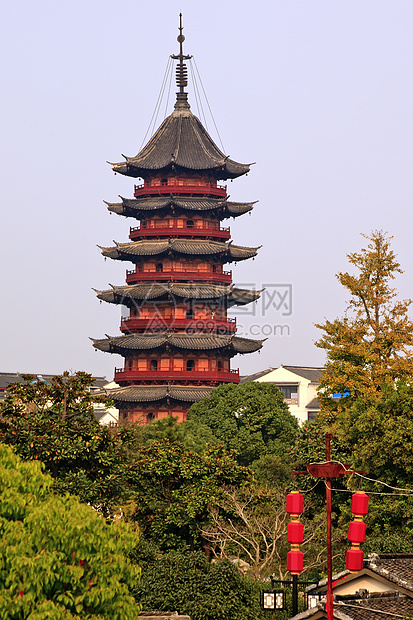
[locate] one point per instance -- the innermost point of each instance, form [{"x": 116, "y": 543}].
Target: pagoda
[{"x": 177, "y": 340}]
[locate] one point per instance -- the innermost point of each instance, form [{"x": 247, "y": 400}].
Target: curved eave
[
  {"x": 135, "y": 250},
  {"x": 122, "y": 345},
  {"x": 229, "y": 169},
  {"x": 130, "y": 295},
  {"x": 239, "y": 208},
  {"x": 153, "y": 393},
  {"x": 136, "y": 207}
]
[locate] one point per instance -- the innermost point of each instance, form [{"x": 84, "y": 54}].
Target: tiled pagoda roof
[
  {"x": 150, "y": 393},
  {"x": 192, "y": 342},
  {"x": 128, "y": 295},
  {"x": 134, "y": 207},
  {"x": 155, "y": 247},
  {"x": 181, "y": 142}
]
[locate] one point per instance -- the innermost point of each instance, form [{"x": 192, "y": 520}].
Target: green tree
[
  {"x": 188, "y": 583},
  {"x": 250, "y": 418},
  {"x": 173, "y": 487},
  {"x": 194, "y": 436},
  {"x": 379, "y": 434},
  {"x": 60, "y": 559},
  {"x": 371, "y": 345},
  {"x": 55, "y": 424},
  {"x": 66, "y": 396}
]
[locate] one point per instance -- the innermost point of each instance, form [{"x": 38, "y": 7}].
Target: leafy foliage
[
  {"x": 194, "y": 436},
  {"x": 59, "y": 558},
  {"x": 76, "y": 450},
  {"x": 379, "y": 433},
  {"x": 371, "y": 346},
  {"x": 250, "y": 418},
  {"x": 173, "y": 487},
  {"x": 66, "y": 396},
  {"x": 203, "y": 590},
  {"x": 369, "y": 358}
]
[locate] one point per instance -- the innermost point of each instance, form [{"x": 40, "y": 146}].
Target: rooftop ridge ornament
[{"x": 181, "y": 72}]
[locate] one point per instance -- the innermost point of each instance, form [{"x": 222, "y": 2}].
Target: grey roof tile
[
  {"x": 312, "y": 373},
  {"x": 181, "y": 142},
  {"x": 191, "y": 342},
  {"x": 144, "y": 205},
  {"x": 155, "y": 247},
  {"x": 129, "y": 295},
  {"x": 151, "y": 393}
]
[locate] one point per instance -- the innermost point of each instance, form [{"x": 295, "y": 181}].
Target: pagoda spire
[{"x": 181, "y": 72}]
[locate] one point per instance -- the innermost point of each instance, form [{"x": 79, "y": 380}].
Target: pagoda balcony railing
[
  {"x": 132, "y": 277},
  {"x": 135, "y": 376},
  {"x": 160, "y": 190},
  {"x": 165, "y": 230},
  {"x": 156, "y": 324}
]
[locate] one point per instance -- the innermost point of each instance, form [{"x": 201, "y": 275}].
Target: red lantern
[
  {"x": 360, "y": 503},
  {"x": 354, "y": 560},
  {"x": 357, "y": 531},
  {"x": 294, "y": 503},
  {"x": 295, "y": 561},
  {"x": 295, "y": 533}
]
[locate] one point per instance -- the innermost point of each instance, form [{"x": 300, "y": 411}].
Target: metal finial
[
  {"x": 180, "y": 37},
  {"x": 181, "y": 70}
]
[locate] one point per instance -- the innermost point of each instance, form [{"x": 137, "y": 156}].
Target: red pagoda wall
[{"x": 191, "y": 367}]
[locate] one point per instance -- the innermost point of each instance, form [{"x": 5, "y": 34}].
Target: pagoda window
[
  {"x": 150, "y": 416},
  {"x": 130, "y": 364},
  {"x": 164, "y": 181},
  {"x": 190, "y": 314},
  {"x": 220, "y": 366},
  {"x": 159, "y": 267},
  {"x": 190, "y": 365},
  {"x": 144, "y": 224},
  {"x": 154, "y": 365},
  {"x": 190, "y": 223},
  {"x": 214, "y": 268}
]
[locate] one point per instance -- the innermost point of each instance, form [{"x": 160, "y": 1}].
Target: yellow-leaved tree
[{"x": 371, "y": 346}]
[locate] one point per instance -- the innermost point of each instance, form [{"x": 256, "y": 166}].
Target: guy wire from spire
[
  {"x": 198, "y": 98},
  {"x": 209, "y": 107},
  {"x": 169, "y": 67},
  {"x": 169, "y": 91}
]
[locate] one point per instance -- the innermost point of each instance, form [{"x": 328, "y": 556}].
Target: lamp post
[
  {"x": 275, "y": 600},
  {"x": 328, "y": 470}
]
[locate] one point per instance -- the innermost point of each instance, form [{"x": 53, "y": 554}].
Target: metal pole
[
  {"x": 329, "y": 546},
  {"x": 295, "y": 595}
]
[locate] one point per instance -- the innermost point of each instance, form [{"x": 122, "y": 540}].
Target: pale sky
[{"x": 318, "y": 93}]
